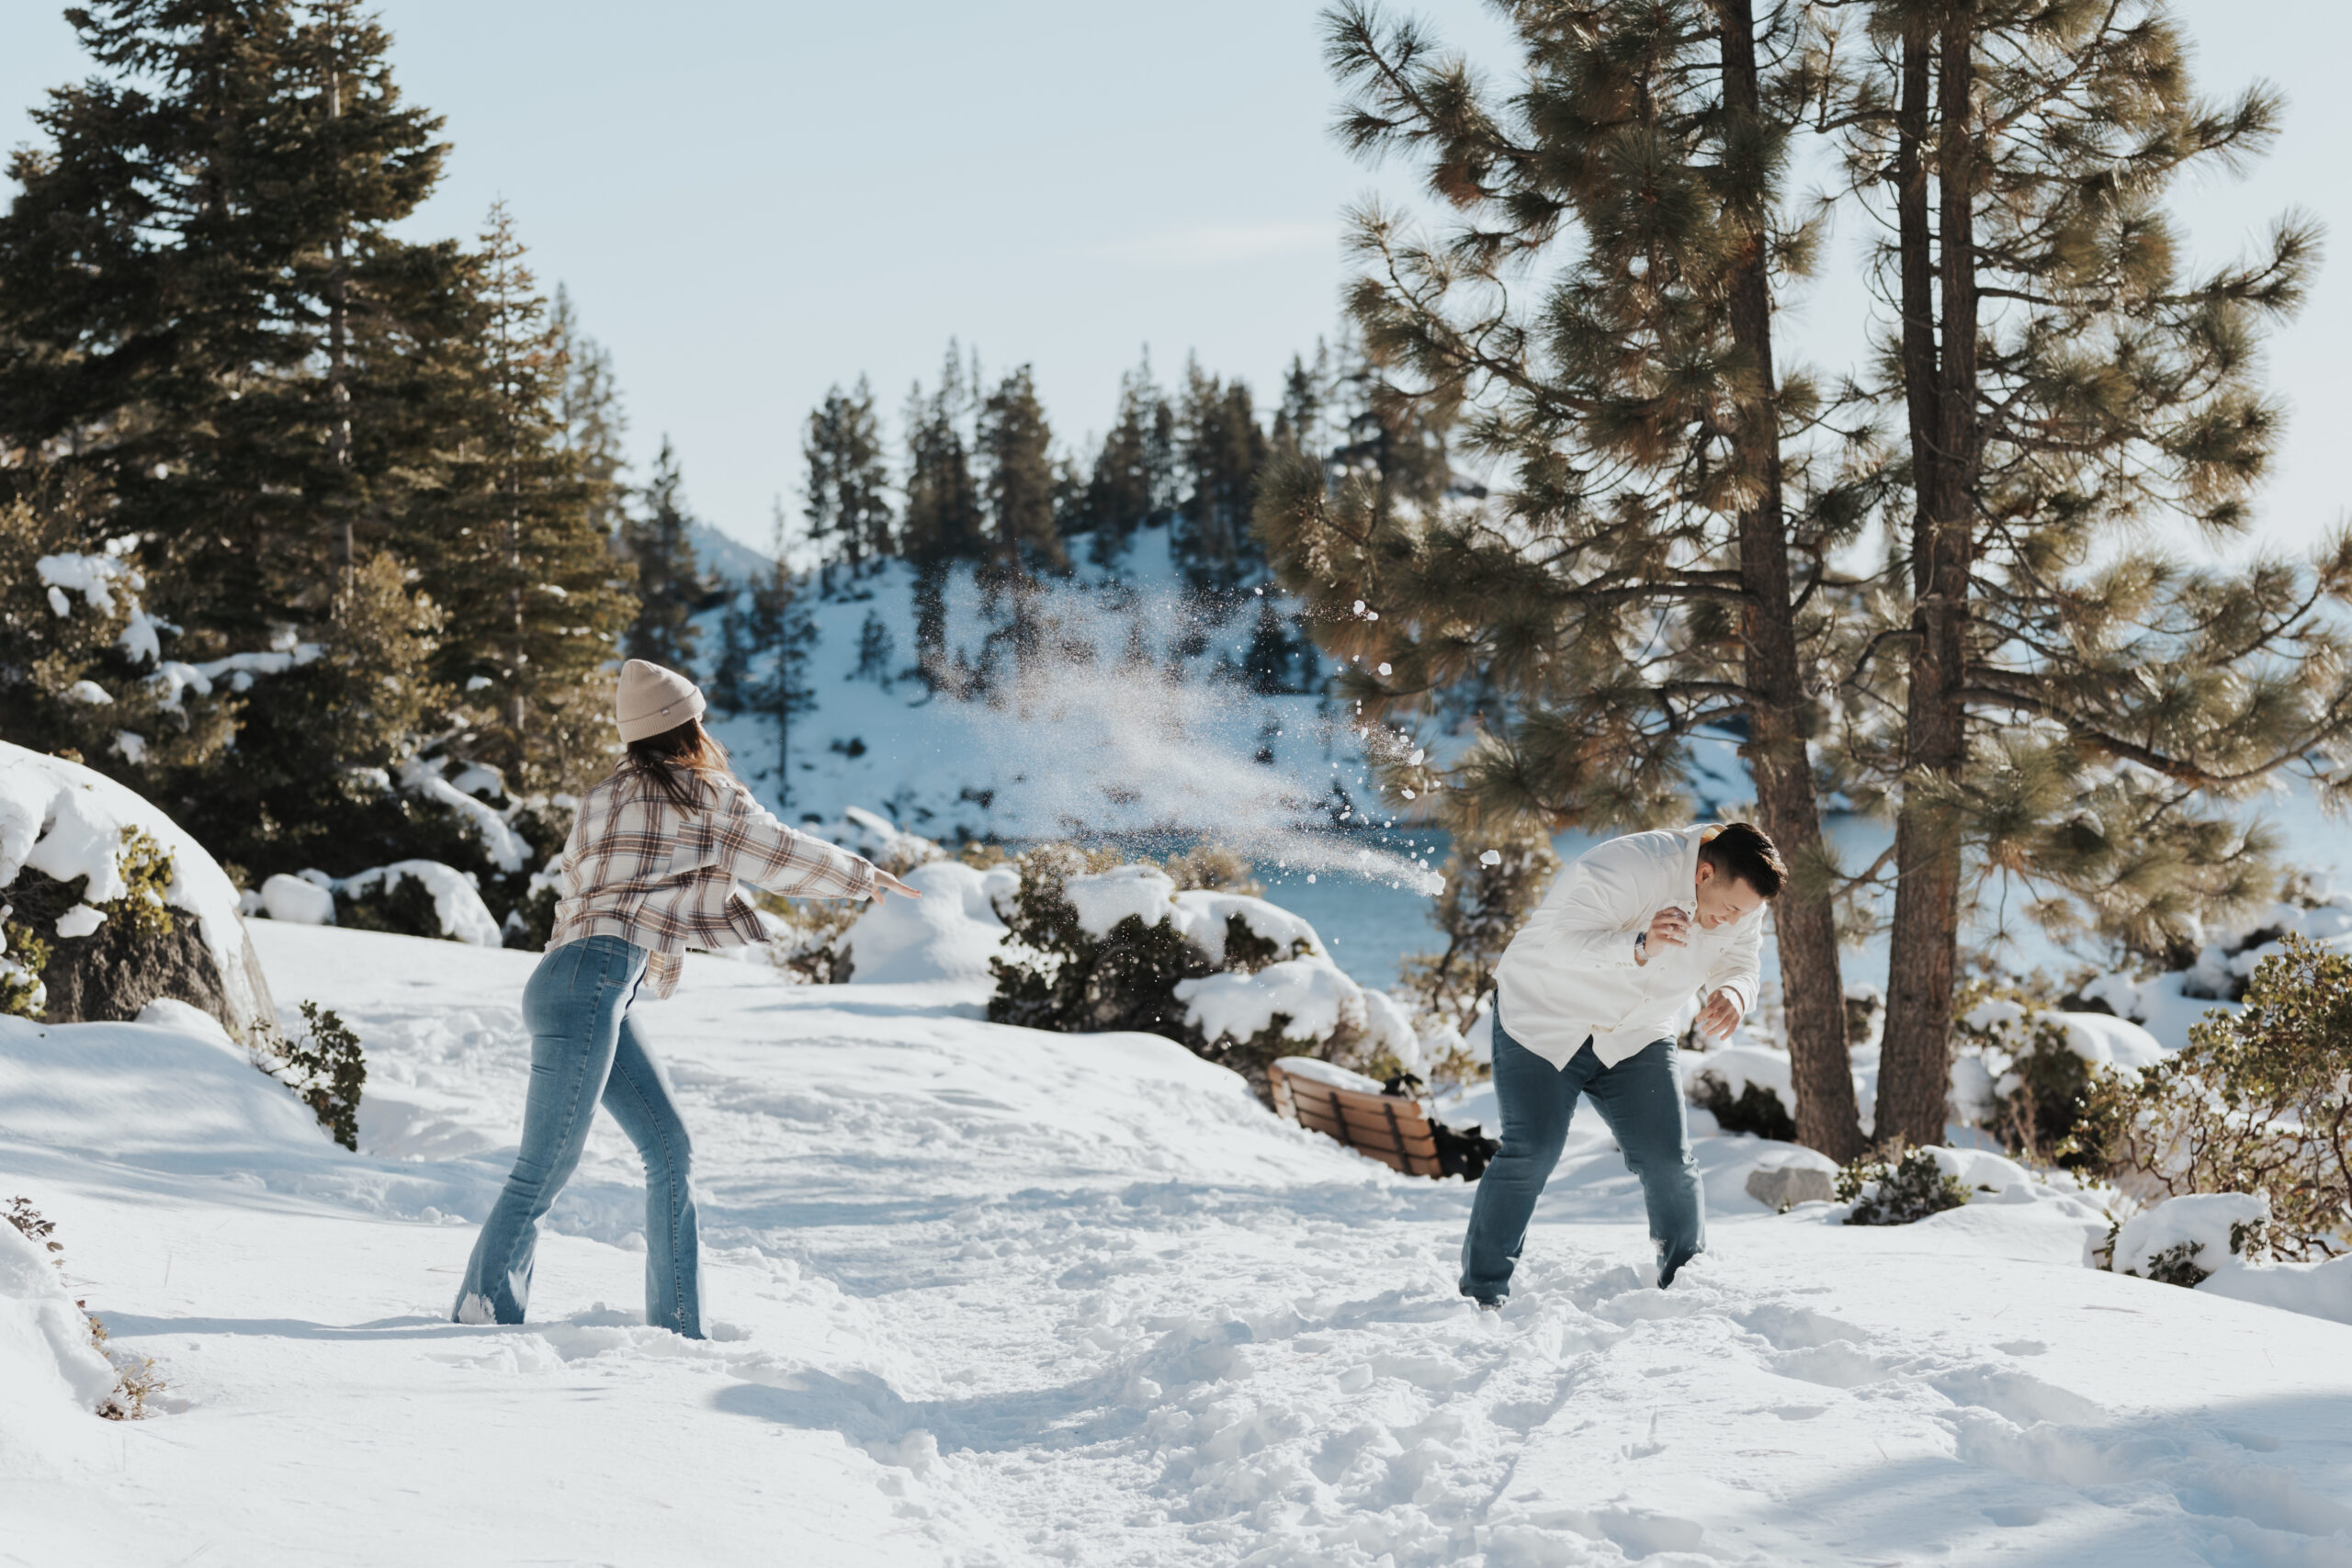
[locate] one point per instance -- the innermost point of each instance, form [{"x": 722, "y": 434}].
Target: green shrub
[
  {"x": 398, "y": 903},
  {"x": 23, "y": 956},
  {"x": 2258, "y": 1101},
  {"x": 1059, "y": 977},
  {"x": 1901, "y": 1193},
  {"x": 325, "y": 1068},
  {"x": 2038, "y": 1114},
  {"x": 1757, "y": 1109}
]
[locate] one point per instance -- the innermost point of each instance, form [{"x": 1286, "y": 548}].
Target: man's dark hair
[{"x": 1740, "y": 850}]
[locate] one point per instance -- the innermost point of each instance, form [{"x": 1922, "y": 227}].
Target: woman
[{"x": 650, "y": 868}]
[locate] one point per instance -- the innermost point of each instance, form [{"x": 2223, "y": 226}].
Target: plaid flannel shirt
[{"x": 639, "y": 868}]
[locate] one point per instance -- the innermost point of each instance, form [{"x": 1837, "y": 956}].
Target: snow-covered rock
[
  {"x": 66, "y": 820},
  {"x": 950, "y": 933},
  {"x": 306, "y": 902}
]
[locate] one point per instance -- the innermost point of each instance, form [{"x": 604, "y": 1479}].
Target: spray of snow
[{"x": 1131, "y": 749}]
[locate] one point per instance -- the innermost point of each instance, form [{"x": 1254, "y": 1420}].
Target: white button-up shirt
[{"x": 1571, "y": 972}]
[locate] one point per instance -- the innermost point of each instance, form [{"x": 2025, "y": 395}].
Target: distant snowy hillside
[{"x": 1134, "y": 717}]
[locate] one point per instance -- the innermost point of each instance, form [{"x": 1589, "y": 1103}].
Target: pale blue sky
[{"x": 750, "y": 201}]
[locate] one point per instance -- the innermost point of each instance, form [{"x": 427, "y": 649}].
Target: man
[{"x": 1587, "y": 995}]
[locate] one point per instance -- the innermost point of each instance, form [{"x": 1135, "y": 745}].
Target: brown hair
[
  {"x": 1741, "y": 852},
  {"x": 673, "y": 757}
]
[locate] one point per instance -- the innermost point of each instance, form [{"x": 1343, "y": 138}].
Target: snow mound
[
  {"x": 66, "y": 820},
  {"x": 2315, "y": 1290},
  {"x": 2201, "y": 1221},
  {"x": 53, "y": 1375},
  {"x": 950, "y": 933}
]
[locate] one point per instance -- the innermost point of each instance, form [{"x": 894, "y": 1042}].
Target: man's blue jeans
[
  {"x": 583, "y": 1049},
  {"x": 1642, "y": 1103}
]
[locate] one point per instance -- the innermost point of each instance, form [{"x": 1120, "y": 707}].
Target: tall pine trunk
[
  {"x": 1803, "y": 922},
  {"x": 1939, "y": 376}
]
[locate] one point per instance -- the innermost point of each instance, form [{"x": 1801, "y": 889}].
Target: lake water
[{"x": 1369, "y": 927}]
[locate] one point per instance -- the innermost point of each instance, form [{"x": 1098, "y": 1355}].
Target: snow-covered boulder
[
  {"x": 63, "y": 821},
  {"x": 950, "y": 933}
]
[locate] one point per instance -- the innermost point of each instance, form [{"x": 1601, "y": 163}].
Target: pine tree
[
  {"x": 669, "y": 588},
  {"x": 1130, "y": 476},
  {"x": 594, "y": 423},
  {"x": 944, "y": 519},
  {"x": 781, "y": 626},
  {"x": 514, "y": 556},
  {"x": 1298, "y": 428},
  {"x": 2076, "y": 712},
  {"x": 1015, "y": 449},
  {"x": 217, "y": 323},
  {"x": 848, "y": 487},
  {"x": 1223, "y": 450},
  {"x": 1641, "y": 578}
]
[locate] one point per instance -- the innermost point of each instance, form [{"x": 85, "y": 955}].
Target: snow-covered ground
[{"x": 986, "y": 1296}]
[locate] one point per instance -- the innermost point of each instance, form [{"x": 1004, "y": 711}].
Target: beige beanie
[{"x": 653, "y": 700}]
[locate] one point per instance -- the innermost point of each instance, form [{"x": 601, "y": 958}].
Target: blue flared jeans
[
  {"x": 1642, "y": 1103},
  {"x": 584, "y": 1050}
]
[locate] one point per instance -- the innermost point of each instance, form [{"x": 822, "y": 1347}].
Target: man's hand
[
  {"x": 886, "y": 882},
  {"x": 1720, "y": 1016},
  {"x": 1668, "y": 928}
]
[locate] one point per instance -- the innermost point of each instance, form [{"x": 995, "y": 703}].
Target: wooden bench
[{"x": 1391, "y": 1128}]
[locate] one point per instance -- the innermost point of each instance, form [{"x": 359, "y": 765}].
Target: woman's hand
[{"x": 886, "y": 882}]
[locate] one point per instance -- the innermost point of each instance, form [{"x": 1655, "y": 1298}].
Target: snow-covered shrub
[
  {"x": 81, "y": 666},
  {"x": 325, "y": 1067},
  {"x": 101, "y": 1379},
  {"x": 2183, "y": 1241},
  {"x": 1094, "y": 945},
  {"x": 1898, "y": 1192},
  {"x": 2025, "y": 1082},
  {"x": 2260, "y": 1101}
]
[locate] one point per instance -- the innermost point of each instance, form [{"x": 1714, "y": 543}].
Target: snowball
[
  {"x": 131, "y": 746},
  {"x": 60, "y": 602},
  {"x": 1384, "y": 668},
  {"x": 299, "y": 902},
  {"x": 1491, "y": 857}
]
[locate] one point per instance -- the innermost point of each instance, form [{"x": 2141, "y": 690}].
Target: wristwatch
[{"x": 1641, "y": 946}]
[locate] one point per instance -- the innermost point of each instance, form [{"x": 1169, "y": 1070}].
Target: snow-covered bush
[
  {"x": 2260, "y": 1101},
  {"x": 1755, "y": 1108},
  {"x": 410, "y": 898},
  {"x": 56, "y": 1346},
  {"x": 2183, "y": 1241},
  {"x": 1093, "y": 944},
  {"x": 1899, "y": 1192}
]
